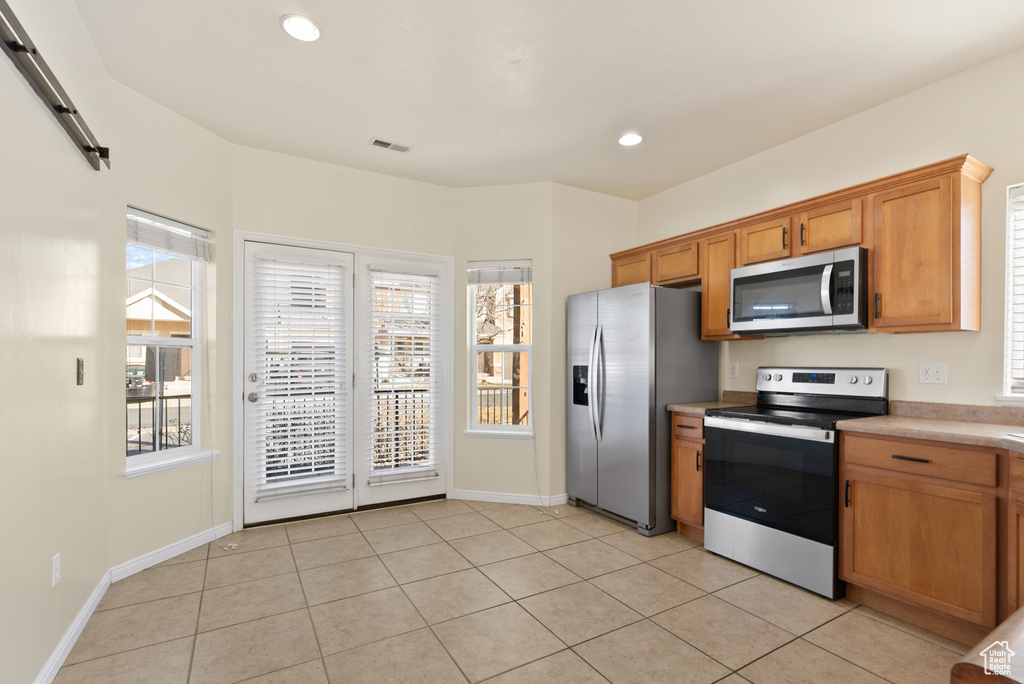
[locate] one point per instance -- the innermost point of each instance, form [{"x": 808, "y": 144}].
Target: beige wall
[
  {"x": 53, "y": 241},
  {"x": 976, "y": 112}
]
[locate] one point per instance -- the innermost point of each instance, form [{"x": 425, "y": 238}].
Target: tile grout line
[{"x": 199, "y": 612}]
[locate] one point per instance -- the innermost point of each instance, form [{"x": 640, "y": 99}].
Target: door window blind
[
  {"x": 404, "y": 339},
  {"x": 1015, "y": 317},
  {"x": 300, "y": 319}
]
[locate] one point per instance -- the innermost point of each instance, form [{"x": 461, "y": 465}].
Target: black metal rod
[
  {"x": 17, "y": 45},
  {"x": 847, "y": 494}
]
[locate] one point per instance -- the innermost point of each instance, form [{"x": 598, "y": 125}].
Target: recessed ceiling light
[
  {"x": 630, "y": 139},
  {"x": 300, "y": 27}
]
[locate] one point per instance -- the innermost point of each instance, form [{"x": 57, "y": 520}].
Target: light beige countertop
[
  {"x": 987, "y": 426},
  {"x": 729, "y": 399}
]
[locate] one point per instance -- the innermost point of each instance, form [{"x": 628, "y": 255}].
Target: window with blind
[
  {"x": 164, "y": 260},
  {"x": 501, "y": 315},
  {"x": 404, "y": 340},
  {"x": 1014, "y": 356}
]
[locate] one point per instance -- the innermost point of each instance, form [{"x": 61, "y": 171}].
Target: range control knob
[
  {"x": 867, "y": 380},
  {"x": 767, "y": 376},
  {"x": 778, "y": 376},
  {"x": 852, "y": 379}
]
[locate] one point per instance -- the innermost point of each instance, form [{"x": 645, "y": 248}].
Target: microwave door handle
[{"x": 826, "y": 290}]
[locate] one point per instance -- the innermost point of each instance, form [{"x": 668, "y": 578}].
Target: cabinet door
[
  {"x": 631, "y": 270},
  {"x": 913, "y": 256},
  {"x": 688, "y": 483},
  {"x": 766, "y": 241},
  {"x": 1015, "y": 554},
  {"x": 832, "y": 227},
  {"x": 676, "y": 263},
  {"x": 925, "y": 544},
  {"x": 719, "y": 260}
]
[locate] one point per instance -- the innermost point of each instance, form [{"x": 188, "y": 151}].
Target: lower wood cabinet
[
  {"x": 688, "y": 483},
  {"x": 923, "y": 540},
  {"x": 688, "y": 470}
]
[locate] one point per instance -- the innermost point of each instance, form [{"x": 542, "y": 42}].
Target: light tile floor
[{"x": 456, "y": 591}]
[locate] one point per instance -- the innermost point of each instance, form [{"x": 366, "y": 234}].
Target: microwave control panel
[{"x": 844, "y": 279}]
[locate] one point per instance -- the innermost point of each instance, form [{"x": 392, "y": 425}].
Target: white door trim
[{"x": 237, "y": 344}]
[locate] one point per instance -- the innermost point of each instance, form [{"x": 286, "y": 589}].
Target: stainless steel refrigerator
[{"x": 631, "y": 350}]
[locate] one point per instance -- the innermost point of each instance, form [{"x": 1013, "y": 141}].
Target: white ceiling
[{"x": 491, "y": 92}]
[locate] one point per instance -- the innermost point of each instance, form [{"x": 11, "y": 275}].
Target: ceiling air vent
[{"x": 376, "y": 142}]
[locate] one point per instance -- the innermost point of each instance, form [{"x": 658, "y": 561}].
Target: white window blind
[
  {"x": 300, "y": 322},
  {"x": 404, "y": 339},
  {"x": 167, "y": 236},
  {"x": 1015, "y": 287}
]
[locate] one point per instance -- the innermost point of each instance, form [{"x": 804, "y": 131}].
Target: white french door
[
  {"x": 347, "y": 381},
  {"x": 401, "y": 380},
  {"x": 298, "y": 382}
]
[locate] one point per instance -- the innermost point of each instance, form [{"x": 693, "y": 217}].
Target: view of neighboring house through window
[
  {"x": 1014, "y": 356},
  {"x": 162, "y": 357},
  {"x": 501, "y": 311}
]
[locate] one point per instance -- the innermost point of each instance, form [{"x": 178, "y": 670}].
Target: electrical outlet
[
  {"x": 55, "y": 579},
  {"x": 734, "y": 370},
  {"x": 932, "y": 373}
]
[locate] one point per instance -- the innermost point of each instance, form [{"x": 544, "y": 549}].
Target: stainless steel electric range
[{"x": 771, "y": 471}]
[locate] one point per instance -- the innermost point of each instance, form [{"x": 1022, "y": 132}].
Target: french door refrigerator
[{"x": 631, "y": 351}]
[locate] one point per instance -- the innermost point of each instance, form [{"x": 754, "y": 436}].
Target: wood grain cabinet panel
[
  {"x": 631, "y": 270},
  {"x": 929, "y": 545},
  {"x": 676, "y": 263},
  {"x": 688, "y": 483},
  {"x": 913, "y": 259},
  {"x": 719, "y": 260},
  {"x": 831, "y": 227},
  {"x": 766, "y": 241}
]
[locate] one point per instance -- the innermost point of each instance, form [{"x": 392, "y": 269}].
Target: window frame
[
  {"x": 166, "y": 459},
  {"x": 477, "y": 429}
]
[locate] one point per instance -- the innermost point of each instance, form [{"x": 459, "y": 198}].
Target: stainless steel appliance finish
[
  {"x": 818, "y": 292},
  {"x": 631, "y": 351},
  {"x": 771, "y": 471}
]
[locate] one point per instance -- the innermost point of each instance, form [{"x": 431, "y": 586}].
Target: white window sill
[
  {"x": 169, "y": 463},
  {"x": 1010, "y": 399},
  {"x": 504, "y": 434}
]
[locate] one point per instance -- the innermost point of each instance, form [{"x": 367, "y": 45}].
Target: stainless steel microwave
[{"x": 818, "y": 292}]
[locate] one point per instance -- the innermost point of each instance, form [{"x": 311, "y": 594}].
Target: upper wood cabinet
[
  {"x": 926, "y": 262},
  {"x": 766, "y": 241},
  {"x": 628, "y": 270},
  {"x": 677, "y": 263},
  {"x": 922, "y": 229},
  {"x": 833, "y": 226},
  {"x": 719, "y": 260}
]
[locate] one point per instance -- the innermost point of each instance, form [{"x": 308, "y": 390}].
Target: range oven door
[{"x": 779, "y": 476}]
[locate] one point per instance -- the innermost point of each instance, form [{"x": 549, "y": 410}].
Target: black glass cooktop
[{"x": 787, "y": 416}]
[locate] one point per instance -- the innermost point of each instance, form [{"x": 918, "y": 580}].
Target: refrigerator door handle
[
  {"x": 592, "y": 383},
  {"x": 597, "y": 399}
]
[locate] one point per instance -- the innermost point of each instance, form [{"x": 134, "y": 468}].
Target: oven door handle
[
  {"x": 826, "y": 290},
  {"x": 793, "y": 431}
]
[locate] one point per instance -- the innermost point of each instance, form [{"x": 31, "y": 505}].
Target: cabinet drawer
[
  {"x": 687, "y": 427},
  {"x": 949, "y": 462}
]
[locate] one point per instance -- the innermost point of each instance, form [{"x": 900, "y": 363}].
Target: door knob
[
  {"x": 252, "y": 377},
  {"x": 252, "y": 396}
]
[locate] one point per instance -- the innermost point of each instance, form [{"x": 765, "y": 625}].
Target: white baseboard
[
  {"x": 56, "y": 659},
  {"x": 500, "y": 497},
  {"x": 119, "y": 572}
]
